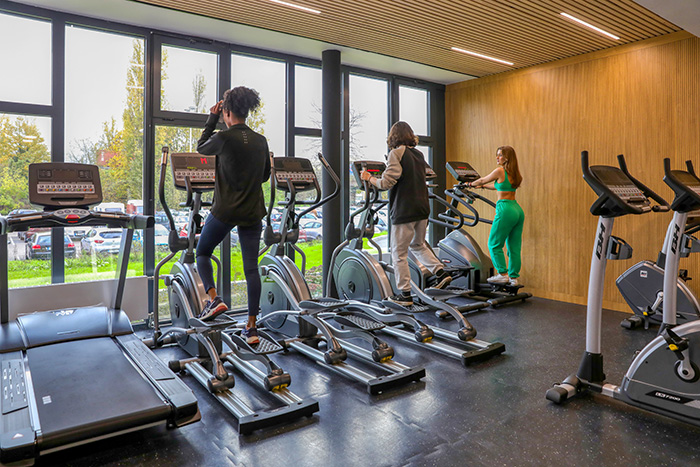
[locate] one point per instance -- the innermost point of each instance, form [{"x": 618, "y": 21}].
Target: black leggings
[{"x": 213, "y": 233}]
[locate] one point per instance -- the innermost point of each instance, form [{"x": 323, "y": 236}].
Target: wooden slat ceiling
[{"x": 524, "y": 32}]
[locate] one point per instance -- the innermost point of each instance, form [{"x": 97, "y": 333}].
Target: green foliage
[{"x": 21, "y": 144}]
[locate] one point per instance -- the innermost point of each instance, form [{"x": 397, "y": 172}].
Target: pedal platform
[
  {"x": 267, "y": 344},
  {"x": 510, "y": 289},
  {"x": 322, "y": 304},
  {"x": 448, "y": 293},
  {"x": 348, "y": 319},
  {"x": 218, "y": 323},
  {"x": 415, "y": 308}
]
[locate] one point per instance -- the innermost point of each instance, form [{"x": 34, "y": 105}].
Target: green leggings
[{"x": 507, "y": 229}]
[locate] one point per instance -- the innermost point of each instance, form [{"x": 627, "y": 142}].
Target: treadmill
[{"x": 76, "y": 375}]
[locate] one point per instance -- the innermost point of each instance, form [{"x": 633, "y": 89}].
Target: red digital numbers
[{"x": 203, "y": 160}]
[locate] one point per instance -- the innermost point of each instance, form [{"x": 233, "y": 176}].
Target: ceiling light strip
[
  {"x": 299, "y": 7},
  {"x": 573, "y": 18},
  {"x": 457, "y": 49}
]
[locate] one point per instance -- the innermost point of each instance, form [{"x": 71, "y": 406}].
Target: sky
[{"x": 96, "y": 72}]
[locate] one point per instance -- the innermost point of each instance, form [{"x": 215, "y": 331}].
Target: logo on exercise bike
[
  {"x": 674, "y": 239},
  {"x": 669, "y": 397},
  {"x": 601, "y": 239}
]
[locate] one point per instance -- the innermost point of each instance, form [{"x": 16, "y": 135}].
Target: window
[
  {"x": 23, "y": 140},
  {"x": 369, "y": 107},
  {"x": 308, "y": 148},
  {"x": 268, "y": 78},
  {"x": 307, "y": 97},
  {"x": 104, "y": 126},
  {"x": 28, "y": 79},
  {"x": 188, "y": 80},
  {"x": 413, "y": 109}
]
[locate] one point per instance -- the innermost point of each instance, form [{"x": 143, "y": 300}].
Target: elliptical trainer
[
  {"x": 663, "y": 377},
  {"x": 460, "y": 252},
  {"x": 358, "y": 276},
  {"x": 203, "y": 340},
  {"x": 287, "y": 306}
]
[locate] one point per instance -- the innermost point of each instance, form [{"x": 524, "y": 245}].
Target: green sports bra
[{"x": 505, "y": 186}]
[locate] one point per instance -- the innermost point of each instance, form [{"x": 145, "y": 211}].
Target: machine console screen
[
  {"x": 375, "y": 169},
  {"x": 619, "y": 183},
  {"x": 295, "y": 169},
  {"x": 53, "y": 184},
  {"x": 200, "y": 169},
  {"x": 687, "y": 179},
  {"x": 462, "y": 172}
]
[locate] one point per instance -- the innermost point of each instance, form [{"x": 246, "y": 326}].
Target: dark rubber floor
[{"x": 493, "y": 413}]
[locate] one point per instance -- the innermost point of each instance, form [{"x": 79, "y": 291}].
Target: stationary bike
[
  {"x": 204, "y": 340},
  {"x": 663, "y": 377},
  {"x": 642, "y": 284}
]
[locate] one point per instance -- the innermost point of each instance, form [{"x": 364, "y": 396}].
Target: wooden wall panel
[{"x": 640, "y": 100}]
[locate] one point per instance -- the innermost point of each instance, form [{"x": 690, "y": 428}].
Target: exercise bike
[
  {"x": 358, "y": 276},
  {"x": 204, "y": 340},
  {"x": 287, "y": 306},
  {"x": 642, "y": 285},
  {"x": 663, "y": 376}
]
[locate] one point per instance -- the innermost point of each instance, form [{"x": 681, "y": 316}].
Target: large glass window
[
  {"x": 104, "y": 126},
  {"x": 369, "y": 107},
  {"x": 413, "y": 109},
  {"x": 26, "y": 75},
  {"x": 188, "y": 79},
  {"x": 311, "y": 225},
  {"x": 23, "y": 140},
  {"x": 178, "y": 139},
  {"x": 307, "y": 97},
  {"x": 268, "y": 78}
]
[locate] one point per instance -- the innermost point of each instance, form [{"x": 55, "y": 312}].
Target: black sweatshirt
[
  {"x": 404, "y": 177},
  {"x": 242, "y": 166}
]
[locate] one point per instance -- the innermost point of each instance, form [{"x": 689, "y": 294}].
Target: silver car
[{"x": 102, "y": 240}]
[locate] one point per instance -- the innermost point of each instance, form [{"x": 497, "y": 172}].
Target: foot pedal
[
  {"x": 220, "y": 322},
  {"x": 511, "y": 289},
  {"x": 358, "y": 322},
  {"x": 415, "y": 308},
  {"x": 324, "y": 304},
  {"x": 448, "y": 293},
  {"x": 267, "y": 344}
]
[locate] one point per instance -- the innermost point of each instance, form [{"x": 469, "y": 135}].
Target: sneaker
[
  {"x": 213, "y": 309},
  {"x": 498, "y": 279},
  {"x": 443, "y": 279},
  {"x": 402, "y": 299},
  {"x": 513, "y": 282},
  {"x": 251, "y": 336}
]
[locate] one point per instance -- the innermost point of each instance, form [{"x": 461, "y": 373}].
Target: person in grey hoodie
[{"x": 409, "y": 210}]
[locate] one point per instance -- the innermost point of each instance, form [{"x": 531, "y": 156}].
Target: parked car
[
  {"x": 102, "y": 240},
  {"x": 27, "y": 235},
  {"x": 39, "y": 246},
  {"x": 77, "y": 233},
  {"x": 161, "y": 218},
  {"x": 313, "y": 230},
  {"x": 161, "y": 234}
]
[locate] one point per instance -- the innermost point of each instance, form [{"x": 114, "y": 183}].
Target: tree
[{"x": 21, "y": 144}]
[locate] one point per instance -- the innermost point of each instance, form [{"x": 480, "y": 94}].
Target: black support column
[{"x": 332, "y": 149}]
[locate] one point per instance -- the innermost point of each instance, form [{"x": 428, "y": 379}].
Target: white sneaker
[
  {"x": 498, "y": 279},
  {"x": 513, "y": 282}
]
